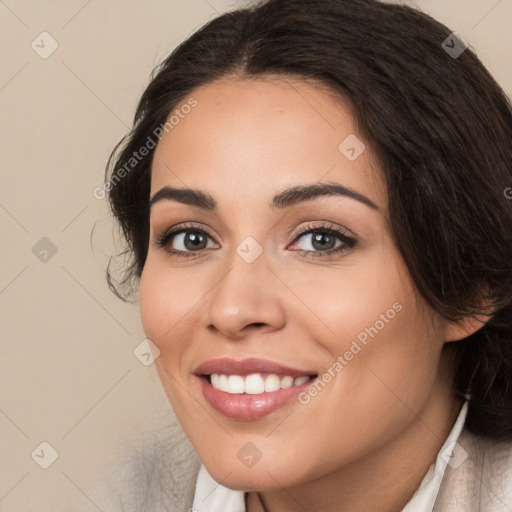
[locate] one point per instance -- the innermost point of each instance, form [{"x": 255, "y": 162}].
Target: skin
[{"x": 368, "y": 438}]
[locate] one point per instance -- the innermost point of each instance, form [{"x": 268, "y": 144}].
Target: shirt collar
[{"x": 425, "y": 496}]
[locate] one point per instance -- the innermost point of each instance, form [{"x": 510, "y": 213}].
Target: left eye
[
  {"x": 324, "y": 240},
  {"x": 320, "y": 241}
]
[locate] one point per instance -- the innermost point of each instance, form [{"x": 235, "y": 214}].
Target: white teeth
[
  {"x": 272, "y": 383},
  {"x": 223, "y": 382},
  {"x": 235, "y": 384},
  {"x": 286, "y": 382},
  {"x": 255, "y": 383},
  {"x": 300, "y": 380}
]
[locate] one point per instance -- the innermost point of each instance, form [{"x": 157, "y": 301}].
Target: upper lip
[{"x": 247, "y": 366}]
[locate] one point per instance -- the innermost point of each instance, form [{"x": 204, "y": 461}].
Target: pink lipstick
[{"x": 251, "y": 388}]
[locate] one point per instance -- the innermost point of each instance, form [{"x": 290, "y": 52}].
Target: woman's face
[{"x": 334, "y": 301}]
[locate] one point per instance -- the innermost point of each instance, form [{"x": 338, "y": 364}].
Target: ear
[{"x": 455, "y": 331}]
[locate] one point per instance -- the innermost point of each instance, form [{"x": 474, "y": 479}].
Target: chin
[{"x": 261, "y": 477}]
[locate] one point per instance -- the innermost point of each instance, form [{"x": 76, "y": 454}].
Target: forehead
[{"x": 251, "y": 138}]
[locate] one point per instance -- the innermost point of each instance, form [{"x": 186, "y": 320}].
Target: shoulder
[
  {"x": 158, "y": 475},
  {"x": 478, "y": 477}
]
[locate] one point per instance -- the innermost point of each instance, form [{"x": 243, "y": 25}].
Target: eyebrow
[{"x": 285, "y": 199}]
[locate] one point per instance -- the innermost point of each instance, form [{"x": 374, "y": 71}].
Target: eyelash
[{"x": 348, "y": 242}]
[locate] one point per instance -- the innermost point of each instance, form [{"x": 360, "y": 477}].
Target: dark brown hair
[{"x": 438, "y": 123}]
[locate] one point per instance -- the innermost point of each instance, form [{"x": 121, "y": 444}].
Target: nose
[{"x": 246, "y": 298}]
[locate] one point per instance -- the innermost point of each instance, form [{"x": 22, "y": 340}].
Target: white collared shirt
[{"x": 210, "y": 496}]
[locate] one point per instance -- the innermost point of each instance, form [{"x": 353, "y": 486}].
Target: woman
[{"x": 313, "y": 196}]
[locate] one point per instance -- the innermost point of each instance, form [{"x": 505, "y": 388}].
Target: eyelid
[{"x": 307, "y": 223}]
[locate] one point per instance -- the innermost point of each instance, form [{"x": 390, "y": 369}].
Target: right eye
[{"x": 183, "y": 241}]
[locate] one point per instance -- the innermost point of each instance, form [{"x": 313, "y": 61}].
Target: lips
[
  {"x": 250, "y": 404},
  {"x": 248, "y": 366}
]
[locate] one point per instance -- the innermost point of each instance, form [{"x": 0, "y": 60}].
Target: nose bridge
[{"x": 244, "y": 295}]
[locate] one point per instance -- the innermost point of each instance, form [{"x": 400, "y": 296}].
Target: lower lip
[{"x": 249, "y": 407}]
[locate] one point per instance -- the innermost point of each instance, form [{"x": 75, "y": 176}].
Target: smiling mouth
[
  {"x": 255, "y": 383},
  {"x": 249, "y": 389}
]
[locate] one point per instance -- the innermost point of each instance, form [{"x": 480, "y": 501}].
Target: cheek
[
  {"x": 168, "y": 299},
  {"x": 152, "y": 303},
  {"x": 379, "y": 373},
  {"x": 361, "y": 302},
  {"x": 381, "y": 339}
]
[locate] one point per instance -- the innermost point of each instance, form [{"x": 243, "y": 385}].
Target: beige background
[{"x": 68, "y": 373}]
